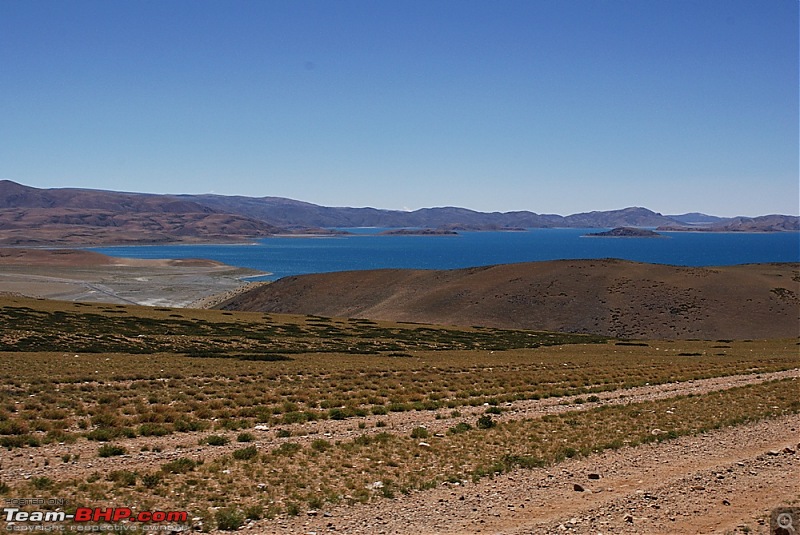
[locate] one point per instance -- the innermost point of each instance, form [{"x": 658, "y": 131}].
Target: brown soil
[
  {"x": 712, "y": 483},
  {"x": 611, "y": 297}
]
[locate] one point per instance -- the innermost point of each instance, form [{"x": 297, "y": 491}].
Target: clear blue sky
[{"x": 553, "y": 106}]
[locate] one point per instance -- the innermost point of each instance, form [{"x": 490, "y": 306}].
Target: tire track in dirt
[
  {"x": 711, "y": 483},
  {"x": 46, "y": 460}
]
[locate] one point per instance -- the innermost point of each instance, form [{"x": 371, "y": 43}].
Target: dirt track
[{"x": 705, "y": 484}]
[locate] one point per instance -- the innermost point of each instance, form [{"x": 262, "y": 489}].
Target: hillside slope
[
  {"x": 610, "y": 297},
  {"x": 68, "y": 216}
]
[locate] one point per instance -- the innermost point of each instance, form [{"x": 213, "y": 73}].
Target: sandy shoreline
[{"x": 76, "y": 275}]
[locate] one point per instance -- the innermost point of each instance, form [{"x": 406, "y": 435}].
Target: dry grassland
[{"x": 249, "y": 417}]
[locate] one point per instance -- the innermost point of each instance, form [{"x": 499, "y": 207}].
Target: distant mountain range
[{"x": 72, "y": 216}]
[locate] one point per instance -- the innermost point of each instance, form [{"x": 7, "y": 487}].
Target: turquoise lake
[{"x": 366, "y": 250}]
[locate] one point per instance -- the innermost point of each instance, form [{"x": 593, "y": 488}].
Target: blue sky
[{"x": 553, "y": 106}]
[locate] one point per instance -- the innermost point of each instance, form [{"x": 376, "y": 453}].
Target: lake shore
[{"x": 77, "y": 275}]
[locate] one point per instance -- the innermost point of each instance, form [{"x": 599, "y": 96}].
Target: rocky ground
[{"x": 719, "y": 482}]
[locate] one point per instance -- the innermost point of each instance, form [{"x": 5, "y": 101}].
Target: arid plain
[{"x": 285, "y": 423}]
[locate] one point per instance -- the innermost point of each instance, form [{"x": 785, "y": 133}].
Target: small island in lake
[
  {"x": 626, "y": 232},
  {"x": 419, "y": 232}
]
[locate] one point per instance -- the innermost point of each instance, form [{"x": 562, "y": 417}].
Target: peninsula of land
[{"x": 625, "y": 232}]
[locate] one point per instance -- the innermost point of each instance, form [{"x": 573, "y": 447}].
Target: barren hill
[
  {"x": 67, "y": 216},
  {"x": 73, "y": 216},
  {"x": 611, "y": 297}
]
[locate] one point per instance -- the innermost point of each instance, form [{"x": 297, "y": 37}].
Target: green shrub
[
  {"x": 101, "y": 435},
  {"x": 153, "y": 430},
  {"x": 229, "y": 519},
  {"x": 460, "y": 427},
  {"x": 244, "y": 454},
  {"x": 320, "y": 444},
  {"x": 486, "y": 422},
  {"x": 110, "y": 450},
  {"x": 41, "y": 483},
  {"x": 245, "y": 437},
  {"x": 151, "y": 480},
  {"x": 179, "y": 466},
  {"x": 419, "y": 432},
  {"x": 337, "y": 414},
  {"x": 289, "y": 448},
  {"x": 216, "y": 440},
  {"x": 184, "y": 426},
  {"x": 254, "y": 512},
  {"x": 123, "y": 477}
]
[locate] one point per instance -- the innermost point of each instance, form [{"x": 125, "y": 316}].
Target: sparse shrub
[
  {"x": 42, "y": 483},
  {"x": 101, "y": 435},
  {"x": 320, "y": 444},
  {"x": 179, "y": 466},
  {"x": 283, "y": 433},
  {"x": 122, "y": 477},
  {"x": 216, "y": 440},
  {"x": 13, "y": 427},
  {"x": 229, "y": 519},
  {"x": 486, "y": 422},
  {"x": 245, "y": 454},
  {"x": 111, "y": 450},
  {"x": 419, "y": 432},
  {"x": 151, "y": 481},
  {"x": 254, "y": 512},
  {"x": 460, "y": 427},
  {"x": 295, "y": 417},
  {"x": 337, "y": 414},
  {"x": 288, "y": 448},
  {"x": 245, "y": 437},
  {"x": 183, "y": 425},
  {"x": 153, "y": 430}
]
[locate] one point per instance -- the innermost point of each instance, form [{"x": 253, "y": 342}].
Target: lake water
[{"x": 366, "y": 250}]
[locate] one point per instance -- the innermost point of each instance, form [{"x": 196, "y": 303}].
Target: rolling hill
[
  {"x": 73, "y": 216},
  {"x": 609, "y": 297},
  {"x": 66, "y": 216}
]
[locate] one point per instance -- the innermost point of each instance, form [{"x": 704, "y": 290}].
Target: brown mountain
[
  {"x": 765, "y": 223},
  {"x": 31, "y": 216},
  {"x": 611, "y": 297},
  {"x": 71, "y": 216}
]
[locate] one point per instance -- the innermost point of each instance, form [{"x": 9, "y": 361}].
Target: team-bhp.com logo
[{"x": 95, "y": 514}]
